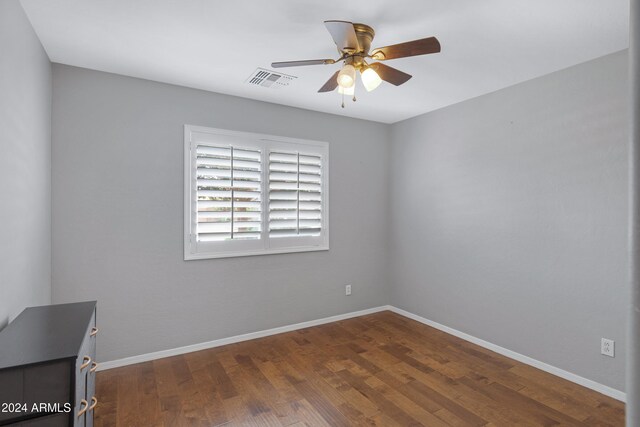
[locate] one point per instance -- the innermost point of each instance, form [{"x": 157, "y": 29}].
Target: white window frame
[{"x": 193, "y": 250}]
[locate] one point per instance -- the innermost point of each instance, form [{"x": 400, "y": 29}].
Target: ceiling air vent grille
[{"x": 268, "y": 78}]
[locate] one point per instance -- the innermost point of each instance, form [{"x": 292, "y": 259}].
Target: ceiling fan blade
[
  {"x": 343, "y": 34},
  {"x": 390, "y": 74},
  {"x": 403, "y": 50},
  {"x": 301, "y": 63},
  {"x": 331, "y": 84}
]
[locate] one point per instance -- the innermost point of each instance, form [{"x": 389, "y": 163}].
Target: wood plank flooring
[{"x": 377, "y": 370}]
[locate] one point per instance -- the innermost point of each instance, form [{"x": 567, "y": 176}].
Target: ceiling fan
[{"x": 354, "y": 42}]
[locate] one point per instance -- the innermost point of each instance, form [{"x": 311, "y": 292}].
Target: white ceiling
[{"x": 215, "y": 45}]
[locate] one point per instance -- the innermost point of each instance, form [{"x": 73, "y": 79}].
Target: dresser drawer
[
  {"x": 48, "y": 383},
  {"x": 11, "y": 391},
  {"x": 85, "y": 364},
  {"x": 91, "y": 387},
  {"x": 33, "y": 386},
  {"x": 55, "y": 420}
]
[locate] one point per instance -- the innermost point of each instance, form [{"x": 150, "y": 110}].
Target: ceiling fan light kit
[
  {"x": 370, "y": 79},
  {"x": 347, "y": 76},
  {"x": 347, "y": 90},
  {"x": 354, "y": 43}
]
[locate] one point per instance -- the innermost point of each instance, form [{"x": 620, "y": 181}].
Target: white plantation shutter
[
  {"x": 248, "y": 194},
  {"x": 229, "y": 187},
  {"x": 295, "y": 194}
]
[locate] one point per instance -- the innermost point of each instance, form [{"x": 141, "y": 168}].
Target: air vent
[{"x": 268, "y": 78}]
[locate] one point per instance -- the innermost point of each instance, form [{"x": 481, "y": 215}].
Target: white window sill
[{"x": 196, "y": 256}]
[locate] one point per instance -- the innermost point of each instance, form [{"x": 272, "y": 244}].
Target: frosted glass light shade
[
  {"x": 347, "y": 76},
  {"x": 347, "y": 90},
  {"x": 370, "y": 79}
]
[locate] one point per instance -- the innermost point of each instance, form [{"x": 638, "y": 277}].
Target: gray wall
[
  {"x": 510, "y": 215},
  {"x": 25, "y": 165},
  {"x": 117, "y": 216}
]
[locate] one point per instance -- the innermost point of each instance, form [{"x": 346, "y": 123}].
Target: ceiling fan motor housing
[{"x": 365, "y": 35}]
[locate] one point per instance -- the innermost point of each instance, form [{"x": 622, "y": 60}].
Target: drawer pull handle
[
  {"x": 94, "y": 331},
  {"x": 94, "y": 366},
  {"x": 94, "y": 403},
  {"x": 85, "y": 406},
  {"x": 86, "y": 361}
]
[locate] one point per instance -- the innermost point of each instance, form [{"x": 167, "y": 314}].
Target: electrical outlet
[
  {"x": 607, "y": 347},
  {"x": 347, "y": 289}
]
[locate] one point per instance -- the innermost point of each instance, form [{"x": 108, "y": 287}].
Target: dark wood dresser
[{"x": 48, "y": 368}]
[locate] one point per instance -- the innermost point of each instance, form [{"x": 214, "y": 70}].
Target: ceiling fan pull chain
[{"x": 342, "y": 99}]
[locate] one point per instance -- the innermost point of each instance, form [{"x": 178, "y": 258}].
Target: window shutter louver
[
  {"x": 295, "y": 194},
  {"x": 229, "y": 190}
]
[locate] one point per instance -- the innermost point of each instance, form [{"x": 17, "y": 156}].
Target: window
[{"x": 250, "y": 194}]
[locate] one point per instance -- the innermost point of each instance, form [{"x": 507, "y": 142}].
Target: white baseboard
[
  {"x": 231, "y": 340},
  {"x": 600, "y": 388}
]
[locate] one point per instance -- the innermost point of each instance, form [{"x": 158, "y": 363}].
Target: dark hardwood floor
[{"x": 377, "y": 370}]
